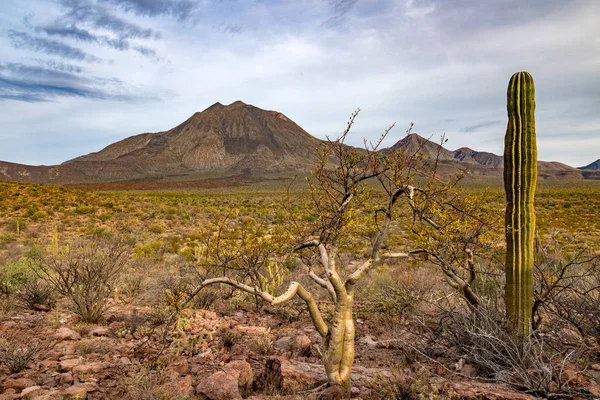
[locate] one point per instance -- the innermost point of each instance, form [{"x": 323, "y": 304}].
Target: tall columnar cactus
[{"x": 520, "y": 175}]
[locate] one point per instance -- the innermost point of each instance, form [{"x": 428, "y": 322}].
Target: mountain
[
  {"x": 485, "y": 164},
  {"x": 595, "y": 166},
  {"x": 229, "y": 145},
  {"x": 221, "y": 140}
]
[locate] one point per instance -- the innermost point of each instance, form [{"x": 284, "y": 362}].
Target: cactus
[{"x": 520, "y": 175}]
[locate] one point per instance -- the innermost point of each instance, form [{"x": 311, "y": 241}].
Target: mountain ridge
[{"x": 237, "y": 140}]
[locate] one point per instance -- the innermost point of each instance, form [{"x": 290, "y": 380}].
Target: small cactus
[{"x": 520, "y": 176}]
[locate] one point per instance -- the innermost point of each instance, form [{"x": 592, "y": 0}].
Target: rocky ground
[{"x": 251, "y": 355}]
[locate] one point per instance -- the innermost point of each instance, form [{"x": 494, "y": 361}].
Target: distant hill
[
  {"x": 595, "y": 166},
  {"x": 240, "y": 142},
  {"x": 483, "y": 163}
]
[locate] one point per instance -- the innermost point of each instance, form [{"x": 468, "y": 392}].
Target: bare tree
[
  {"x": 85, "y": 273},
  {"x": 352, "y": 192}
]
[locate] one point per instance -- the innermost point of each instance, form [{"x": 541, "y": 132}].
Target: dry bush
[
  {"x": 567, "y": 288},
  {"x": 402, "y": 386},
  {"x": 482, "y": 337},
  {"x": 85, "y": 273},
  {"x": 147, "y": 384},
  {"x": 389, "y": 297},
  {"x": 36, "y": 293},
  {"x": 16, "y": 352}
]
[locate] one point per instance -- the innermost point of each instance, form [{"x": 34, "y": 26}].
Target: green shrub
[
  {"x": 390, "y": 297},
  {"x": 13, "y": 276}
]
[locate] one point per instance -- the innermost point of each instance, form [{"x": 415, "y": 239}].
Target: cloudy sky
[{"x": 77, "y": 75}]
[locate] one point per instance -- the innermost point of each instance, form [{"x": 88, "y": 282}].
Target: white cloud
[{"x": 445, "y": 68}]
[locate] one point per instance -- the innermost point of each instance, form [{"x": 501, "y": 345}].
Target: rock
[
  {"x": 31, "y": 392},
  {"x": 368, "y": 340},
  {"x": 283, "y": 343},
  {"x": 65, "y": 348},
  {"x": 65, "y": 379},
  {"x": 301, "y": 346},
  {"x": 242, "y": 371},
  {"x": 181, "y": 388},
  {"x": 41, "y": 307},
  {"x": 84, "y": 371},
  {"x": 18, "y": 384},
  {"x": 65, "y": 333},
  {"x": 175, "y": 363},
  {"x": 250, "y": 330},
  {"x": 471, "y": 390},
  {"x": 101, "y": 331},
  {"x": 289, "y": 378},
  {"x": 10, "y": 394},
  {"x": 572, "y": 376},
  {"x": 219, "y": 386},
  {"x": 69, "y": 364},
  {"x": 595, "y": 367},
  {"x": 75, "y": 392},
  {"x": 333, "y": 393}
]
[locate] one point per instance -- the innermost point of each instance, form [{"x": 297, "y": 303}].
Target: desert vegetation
[{"x": 377, "y": 276}]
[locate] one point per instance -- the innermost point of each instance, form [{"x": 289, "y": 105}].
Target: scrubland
[{"x": 94, "y": 290}]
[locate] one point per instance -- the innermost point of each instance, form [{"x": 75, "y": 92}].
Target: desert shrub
[
  {"x": 483, "y": 338},
  {"x": 263, "y": 344},
  {"x": 152, "y": 248},
  {"x": 148, "y": 384},
  {"x": 156, "y": 228},
  {"x": 7, "y": 237},
  {"x": 389, "y": 297},
  {"x": 39, "y": 215},
  {"x": 17, "y": 351},
  {"x": 228, "y": 337},
  {"x": 13, "y": 275},
  {"x": 402, "y": 386},
  {"x": 83, "y": 210},
  {"x": 135, "y": 320},
  {"x": 567, "y": 287},
  {"x": 83, "y": 328},
  {"x": 16, "y": 226},
  {"x": 36, "y": 293},
  {"x": 137, "y": 276},
  {"x": 85, "y": 273},
  {"x": 205, "y": 299}
]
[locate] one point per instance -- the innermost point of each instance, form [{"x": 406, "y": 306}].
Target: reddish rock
[
  {"x": 31, "y": 392},
  {"x": 572, "y": 376},
  {"x": 334, "y": 393},
  {"x": 301, "y": 346},
  {"x": 178, "y": 364},
  {"x": 219, "y": 386},
  {"x": 65, "y": 379},
  {"x": 84, "y": 371},
  {"x": 10, "y": 394},
  {"x": 180, "y": 388},
  {"x": 250, "y": 330},
  {"x": 65, "y": 333},
  {"x": 65, "y": 348},
  {"x": 287, "y": 377},
  {"x": 75, "y": 392},
  {"x": 18, "y": 384},
  {"x": 101, "y": 331},
  {"x": 242, "y": 371},
  {"x": 69, "y": 364}
]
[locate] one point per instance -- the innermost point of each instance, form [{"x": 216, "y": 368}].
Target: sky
[{"x": 77, "y": 75}]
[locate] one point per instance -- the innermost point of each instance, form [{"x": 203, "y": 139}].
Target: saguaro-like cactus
[{"x": 520, "y": 176}]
